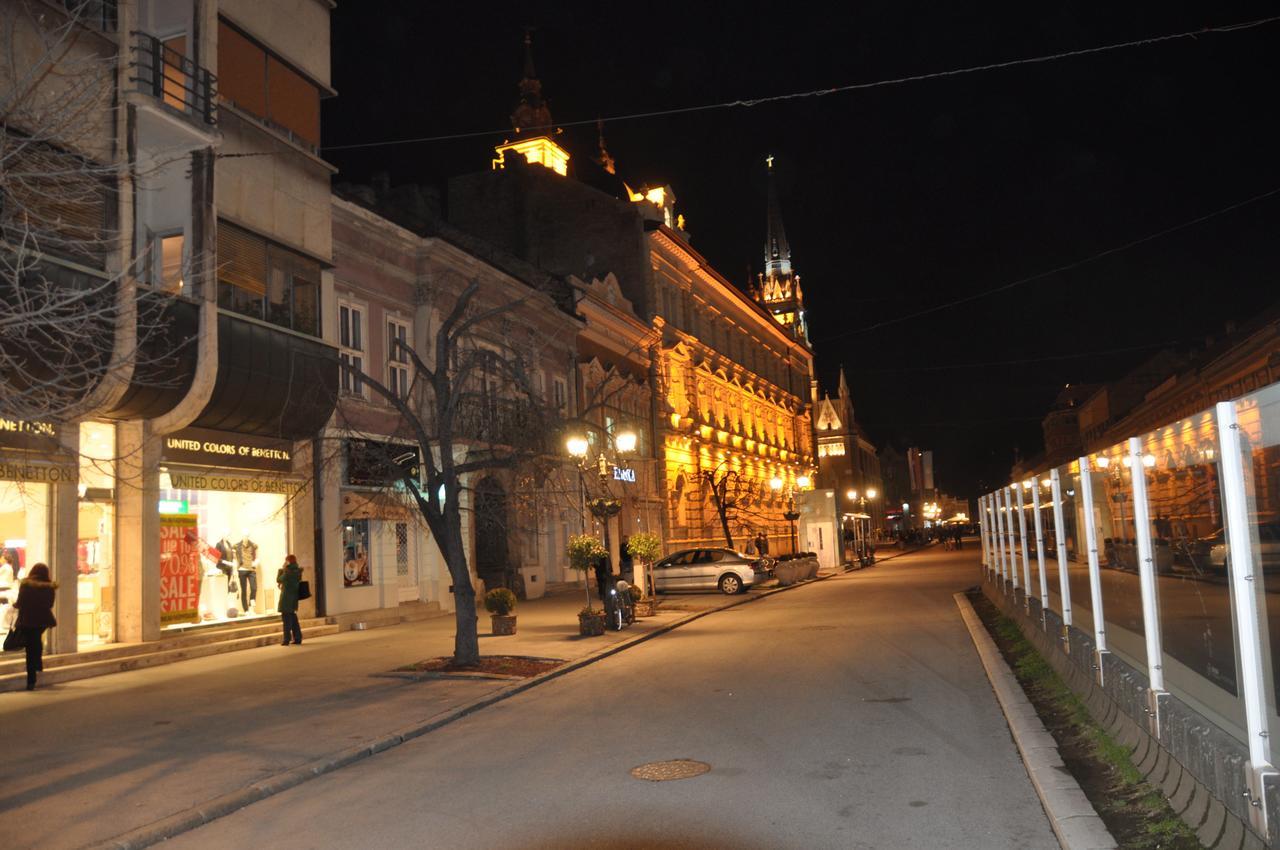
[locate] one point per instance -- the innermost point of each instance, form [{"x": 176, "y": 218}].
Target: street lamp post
[
  {"x": 579, "y": 448},
  {"x": 791, "y": 514}
]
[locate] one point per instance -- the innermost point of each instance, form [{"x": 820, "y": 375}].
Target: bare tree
[
  {"x": 732, "y": 494},
  {"x": 73, "y": 328},
  {"x": 472, "y": 407}
]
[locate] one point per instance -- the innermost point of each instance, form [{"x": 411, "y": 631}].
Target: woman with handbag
[
  {"x": 288, "y": 579},
  {"x": 35, "y": 614}
]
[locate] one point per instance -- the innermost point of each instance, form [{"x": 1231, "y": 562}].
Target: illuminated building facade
[{"x": 732, "y": 373}]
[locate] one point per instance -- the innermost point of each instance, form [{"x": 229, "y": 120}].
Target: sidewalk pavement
[{"x": 189, "y": 741}]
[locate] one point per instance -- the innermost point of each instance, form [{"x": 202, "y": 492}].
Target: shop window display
[
  {"x": 24, "y": 521},
  {"x": 95, "y": 538},
  {"x": 355, "y": 554},
  {"x": 241, "y": 540}
]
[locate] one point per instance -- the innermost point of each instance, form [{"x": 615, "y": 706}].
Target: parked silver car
[{"x": 706, "y": 569}]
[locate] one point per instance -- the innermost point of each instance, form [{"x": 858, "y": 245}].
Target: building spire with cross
[{"x": 778, "y": 290}]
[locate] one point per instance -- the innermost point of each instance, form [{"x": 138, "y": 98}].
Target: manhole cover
[{"x": 664, "y": 771}]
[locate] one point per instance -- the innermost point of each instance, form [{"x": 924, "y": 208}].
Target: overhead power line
[
  {"x": 823, "y": 92},
  {"x": 1022, "y": 360},
  {"x": 1059, "y": 269}
]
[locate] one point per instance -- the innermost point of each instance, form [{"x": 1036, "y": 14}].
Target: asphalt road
[{"x": 850, "y": 713}]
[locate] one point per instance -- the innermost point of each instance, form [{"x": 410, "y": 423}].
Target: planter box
[
  {"x": 590, "y": 625},
  {"x": 646, "y": 607},
  {"x": 503, "y": 624},
  {"x": 788, "y": 573}
]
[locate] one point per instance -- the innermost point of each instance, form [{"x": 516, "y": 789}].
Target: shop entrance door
[
  {"x": 822, "y": 541},
  {"x": 406, "y": 564}
]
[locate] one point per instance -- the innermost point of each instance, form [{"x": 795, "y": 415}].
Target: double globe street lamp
[{"x": 605, "y": 507}]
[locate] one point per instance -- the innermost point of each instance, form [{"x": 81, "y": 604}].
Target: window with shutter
[{"x": 267, "y": 281}]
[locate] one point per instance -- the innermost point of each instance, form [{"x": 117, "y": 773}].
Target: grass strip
[{"x": 1136, "y": 813}]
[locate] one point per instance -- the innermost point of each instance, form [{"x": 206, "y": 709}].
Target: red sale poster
[{"x": 179, "y": 569}]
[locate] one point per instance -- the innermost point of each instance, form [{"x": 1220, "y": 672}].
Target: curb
[
  {"x": 211, "y": 810},
  {"x": 1073, "y": 818}
]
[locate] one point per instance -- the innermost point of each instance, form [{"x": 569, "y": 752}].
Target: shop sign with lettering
[
  {"x": 206, "y": 447},
  {"x": 229, "y": 483},
  {"x": 28, "y": 436},
  {"x": 37, "y": 473},
  {"x": 179, "y": 569},
  {"x": 626, "y": 474}
]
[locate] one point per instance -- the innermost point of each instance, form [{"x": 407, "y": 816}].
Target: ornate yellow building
[{"x": 735, "y": 399}]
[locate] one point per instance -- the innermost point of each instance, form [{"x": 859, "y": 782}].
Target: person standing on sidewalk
[
  {"x": 287, "y": 580},
  {"x": 35, "y": 614}
]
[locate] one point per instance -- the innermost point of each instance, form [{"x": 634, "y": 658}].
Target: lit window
[{"x": 171, "y": 279}]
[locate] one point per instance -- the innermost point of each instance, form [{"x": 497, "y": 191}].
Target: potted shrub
[
  {"x": 590, "y": 622},
  {"x": 583, "y": 550},
  {"x": 646, "y": 548},
  {"x": 500, "y": 602}
]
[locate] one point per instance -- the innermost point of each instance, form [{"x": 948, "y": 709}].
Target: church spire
[
  {"x": 779, "y": 286},
  {"x": 532, "y": 111},
  {"x": 534, "y": 137},
  {"x": 777, "y": 251},
  {"x": 603, "y": 159}
]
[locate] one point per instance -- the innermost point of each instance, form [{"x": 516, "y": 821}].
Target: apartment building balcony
[{"x": 176, "y": 98}]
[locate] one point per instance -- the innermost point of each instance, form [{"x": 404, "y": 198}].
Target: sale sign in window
[{"x": 179, "y": 569}]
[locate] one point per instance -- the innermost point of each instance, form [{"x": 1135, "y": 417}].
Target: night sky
[{"x": 896, "y": 199}]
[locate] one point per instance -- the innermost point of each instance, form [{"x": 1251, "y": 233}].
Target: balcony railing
[{"x": 174, "y": 80}]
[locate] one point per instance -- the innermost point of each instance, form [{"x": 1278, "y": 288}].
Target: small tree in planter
[
  {"x": 583, "y": 551},
  {"x": 500, "y": 602},
  {"x": 646, "y": 548}
]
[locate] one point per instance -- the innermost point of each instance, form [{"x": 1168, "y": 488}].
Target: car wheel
[{"x": 730, "y": 584}]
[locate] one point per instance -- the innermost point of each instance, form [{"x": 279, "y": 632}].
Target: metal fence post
[
  {"x": 1245, "y": 590},
  {"x": 1005, "y": 566},
  {"x": 1039, "y": 525},
  {"x": 1022, "y": 539},
  {"x": 1095, "y": 572},
  {"x": 1013, "y": 544},
  {"x": 983, "y": 525},
  {"x": 1147, "y": 581},
  {"x": 1059, "y": 535}
]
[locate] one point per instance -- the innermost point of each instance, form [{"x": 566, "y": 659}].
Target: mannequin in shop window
[
  {"x": 227, "y": 559},
  {"x": 247, "y": 567}
]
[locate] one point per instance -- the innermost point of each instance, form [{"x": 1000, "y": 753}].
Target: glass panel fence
[
  {"x": 1258, "y": 416},
  {"x": 1112, "y": 484},
  {"x": 1184, "y": 493},
  {"x": 1077, "y": 557},
  {"x": 1042, "y": 486}
]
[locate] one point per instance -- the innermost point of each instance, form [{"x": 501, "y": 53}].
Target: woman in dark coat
[
  {"x": 287, "y": 580},
  {"x": 35, "y": 614}
]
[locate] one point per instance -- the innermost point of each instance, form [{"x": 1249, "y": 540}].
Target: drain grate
[{"x": 665, "y": 771}]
